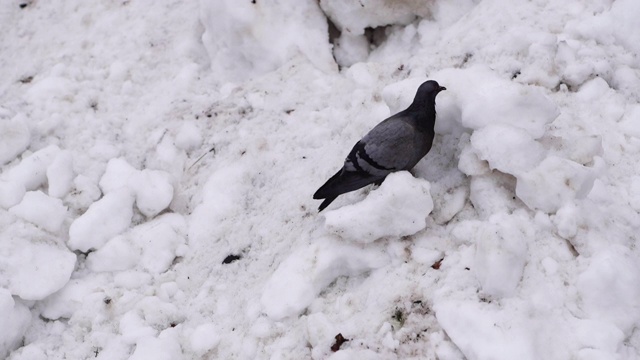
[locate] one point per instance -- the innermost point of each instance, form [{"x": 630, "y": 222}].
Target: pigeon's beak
[{"x": 442, "y": 88}]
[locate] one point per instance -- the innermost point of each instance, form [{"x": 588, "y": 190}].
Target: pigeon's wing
[
  {"x": 390, "y": 146},
  {"x": 344, "y": 181}
]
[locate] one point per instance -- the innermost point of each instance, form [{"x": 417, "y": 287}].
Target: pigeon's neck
[{"x": 425, "y": 112}]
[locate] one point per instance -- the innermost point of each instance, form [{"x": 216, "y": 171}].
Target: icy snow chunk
[
  {"x": 508, "y": 149},
  {"x": 104, "y": 219},
  {"x": 320, "y": 331},
  {"x": 164, "y": 347},
  {"x": 41, "y": 210},
  {"x": 132, "y": 279},
  {"x": 85, "y": 193},
  {"x": 303, "y": 275},
  {"x": 31, "y": 266},
  {"x": 133, "y": 327},
  {"x": 399, "y": 207},
  {"x": 353, "y": 17},
  {"x": 71, "y": 298},
  {"x": 626, "y": 29},
  {"x": 492, "y": 194},
  {"x": 32, "y": 171},
  {"x": 593, "y": 90},
  {"x": 449, "y": 203},
  {"x": 363, "y": 75},
  {"x": 618, "y": 24},
  {"x": 630, "y": 123},
  {"x": 484, "y": 98},
  {"x": 116, "y": 255},
  {"x": 244, "y": 40},
  {"x": 483, "y": 333},
  {"x": 153, "y": 244},
  {"x": 11, "y": 193},
  {"x": 469, "y": 161},
  {"x": 261, "y": 328},
  {"x": 14, "y": 138},
  {"x": 566, "y": 220},
  {"x": 554, "y": 182},
  {"x": 609, "y": 287},
  {"x": 117, "y": 175},
  {"x": 153, "y": 190},
  {"x": 204, "y": 338},
  {"x": 60, "y": 174},
  {"x": 15, "y": 320},
  {"x": 29, "y": 174},
  {"x": 425, "y": 256},
  {"x": 31, "y": 351},
  {"x": 53, "y": 86},
  {"x": 159, "y": 240},
  {"x": 351, "y": 49},
  {"x": 501, "y": 253}
]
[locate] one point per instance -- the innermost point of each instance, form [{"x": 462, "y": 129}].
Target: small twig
[{"x": 213, "y": 150}]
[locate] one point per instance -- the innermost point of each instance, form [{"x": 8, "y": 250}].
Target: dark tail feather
[
  {"x": 326, "y": 203},
  {"x": 327, "y": 189},
  {"x": 343, "y": 182}
]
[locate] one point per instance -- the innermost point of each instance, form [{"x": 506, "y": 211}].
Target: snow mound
[
  {"x": 60, "y": 175},
  {"x": 509, "y": 149},
  {"x": 154, "y": 245},
  {"x": 248, "y": 39},
  {"x": 608, "y": 288},
  {"x": 353, "y": 17},
  {"x": 204, "y": 338},
  {"x": 301, "y": 277},
  {"x": 152, "y": 188},
  {"x": 15, "y": 137},
  {"x": 501, "y": 253},
  {"x": 32, "y": 265},
  {"x": 399, "y": 207},
  {"x": 482, "y": 333},
  {"x": 41, "y": 210},
  {"x": 16, "y": 318},
  {"x": 104, "y": 219},
  {"x": 29, "y": 174},
  {"x": 164, "y": 347},
  {"x": 485, "y": 98},
  {"x": 554, "y": 182}
]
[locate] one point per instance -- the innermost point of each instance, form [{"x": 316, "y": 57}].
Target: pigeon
[{"x": 395, "y": 144}]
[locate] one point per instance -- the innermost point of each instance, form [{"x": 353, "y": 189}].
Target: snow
[
  {"x": 16, "y": 318},
  {"x": 306, "y": 272},
  {"x": 41, "y": 210},
  {"x": 15, "y": 138},
  {"x": 34, "y": 265},
  {"x": 569, "y": 181},
  {"x": 156, "y": 176},
  {"x": 398, "y": 208},
  {"x": 204, "y": 338},
  {"x": 104, "y": 219},
  {"x": 60, "y": 175}
]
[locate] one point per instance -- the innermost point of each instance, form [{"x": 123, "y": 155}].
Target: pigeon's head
[
  {"x": 429, "y": 89},
  {"x": 426, "y": 95}
]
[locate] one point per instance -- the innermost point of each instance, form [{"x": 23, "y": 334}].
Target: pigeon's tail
[
  {"x": 343, "y": 182},
  {"x": 326, "y": 203}
]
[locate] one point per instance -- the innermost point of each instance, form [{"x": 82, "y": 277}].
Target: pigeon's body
[{"x": 397, "y": 143}]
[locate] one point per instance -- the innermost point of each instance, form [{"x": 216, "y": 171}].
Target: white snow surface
[{"x": 158, "y": 160}]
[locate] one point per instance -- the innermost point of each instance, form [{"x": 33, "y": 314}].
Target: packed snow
[{"x": 158, "y": 160}]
